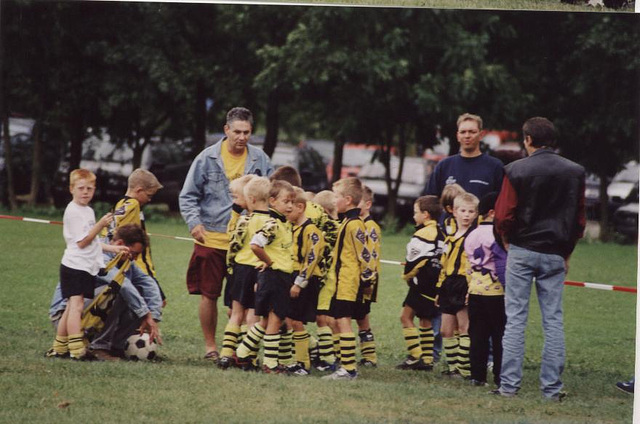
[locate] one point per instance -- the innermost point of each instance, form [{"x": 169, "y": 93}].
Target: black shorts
[
  {"x": 273, "y": 293},
  {"x": 362, "y": 308},
  {"x": 243, "y": 284},
  {"x": 303, "y": 308},
  {"x": 422, "y": 306},
  {"x": 452, "y": 294},
  {"x": 227, "y": 290},
  {"x": 74, "y": 282},
  {"x": 342, "y": 308}
]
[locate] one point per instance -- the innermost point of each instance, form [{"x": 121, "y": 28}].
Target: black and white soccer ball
[{"x": 139, "y": 347}]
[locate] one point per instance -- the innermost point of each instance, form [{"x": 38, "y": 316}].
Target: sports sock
[
  {"x": 464, "y": 344},
  {"x": 336, "y": 346},
  {"x": 348, "y": 351},
  {"x": 285, "y": 349},
  {"x": 368, "y": 346},
  {"x": 301, "y": 341},
  {"x": 61, "y": 344},
  {"x": 271, "y": 342},
  {"x": 251, "y": 342},
  {"x": 243, "y": 332},
  {"x": 426, "y": 343},
  {"x": 412, "y": 340},
  {"x": 76, "y": 345},
  {"x": 325, "y": 345},
  {"x": 313, "y": 348},
  {"x": 230, "y": 341},
  {"x": 451, "y": 350}
]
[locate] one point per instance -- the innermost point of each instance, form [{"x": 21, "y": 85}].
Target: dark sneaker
[
  {"x": 342, "y": 374},
  {"x": 626, "y": 386},
  {"x": 297, "y": 369},
  {"x": 367, "y": 363},
  {"x": 478, "y": 383},
  {"x": 423, "y": 366},
  {"x": 278, "y": 369},
  {"x": 53, "y": 354},
  {"x": 245, "y": 364},
  {"x": 87, "y": 357},
  {"x": 325, "y": 366},
  {"x": 409, "y": 363},
  {"x": 225, "y": 362},
  {"x": 497, "y": 392}
]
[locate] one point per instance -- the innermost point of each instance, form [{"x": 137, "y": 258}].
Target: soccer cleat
[
  {"x": 53, "y": 354},
  {"x": 87, "y": 357},
  {"x": 325, "y": 366},
  {"x": 424, "y": 366},
  {"x": 342, "y": 374},
  {"x": 245, "y": 364},
  {"x": 278, "y": 369},
  {"x": 297, "y": 369},
  {"x": 367, "y": 363},
  {"x": 226, "y": 362},
  {"x": 410, "y": 363},
  {"x": 626, "y": 386}
]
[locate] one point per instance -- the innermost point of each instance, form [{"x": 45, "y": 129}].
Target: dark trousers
[{"x": 486, "y": 322}]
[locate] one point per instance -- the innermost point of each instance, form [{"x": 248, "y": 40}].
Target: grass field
[{"x": 182, "y": 388}]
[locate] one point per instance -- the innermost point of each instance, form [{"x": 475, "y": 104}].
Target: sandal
[{"x": 212, "y": 356}]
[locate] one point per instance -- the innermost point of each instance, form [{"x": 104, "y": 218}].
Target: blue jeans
[{"x": 523, "y": 267}]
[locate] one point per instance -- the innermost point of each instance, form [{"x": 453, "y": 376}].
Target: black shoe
[
  {"x": 626, "y": 386},
  {"x": 87, "y": 357},
  {"x": 367, "y": 363},
  {"x": 225, "y": 362},
  {"x": 409, "y": 363},
  {"x": 478, "y": 383},
  {"x": 53, "y": 354},
  {"x": 325, "y": 366}
]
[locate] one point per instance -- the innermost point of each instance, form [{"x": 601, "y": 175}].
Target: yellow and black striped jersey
[
  {"x": 237, "y": 229},
  {"x": 351, "y": 257},
  {"x": 422, "y": 266},
  {"x": 454, "y": 258},
  {"x": 241, "y": 240},
  {"x": 276, "y": 237},
  {"x": 375, "y": 241},
  {"x": 308, "y": 246}
]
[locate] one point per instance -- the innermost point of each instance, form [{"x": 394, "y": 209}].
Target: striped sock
[
  {"x": 464, "y": 345},
  {"x": 336, "y": 346},
  {"x": 313, "y": 348},
  {"x": 61, "y": 344},
  {"x": 412, "y": 340},
  {"x": 426, "y": 343},
  {"x": 230, "y": 341},
  {"x": 368, "y": 346},
  {"x": 271, "y": 342},
  {"x": 76, "y": 345},
  {"x": 251, "y": 343},
  {"x": 325, "y": 345},
  {"x": 285, "y": 349},
  {"x": 301, "y": 341},
  {"x": 243, "y": 332},
  {"x": 348, "y": 351},
  {"x": 451, "y": 350}
]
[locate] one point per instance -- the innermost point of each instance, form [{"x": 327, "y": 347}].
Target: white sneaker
[{"x": 342, "y": 374}]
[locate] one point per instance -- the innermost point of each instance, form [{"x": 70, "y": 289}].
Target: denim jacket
[
  {"x": 205, "y": 197},
  {"x": 140, "y": 292}
]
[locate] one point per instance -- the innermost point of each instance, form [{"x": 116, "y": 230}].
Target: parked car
[
  {"x": 354, "y": 157},
  {"x": 307, "y": 161},
  {"x": 625, "y": 218},
  {"x": 622, "y": 184},
  {"x": 415, "y": 174}
]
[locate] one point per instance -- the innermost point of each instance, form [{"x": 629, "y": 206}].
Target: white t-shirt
[{"x": 77, "y": 222}]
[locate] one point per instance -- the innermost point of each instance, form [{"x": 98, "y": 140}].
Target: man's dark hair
[
  {"x": 430, "y": 204},
  {"x": 541, "y": 130},
  {"x": 287, "y": 173},
  {"x": 240, "y": 114},
  {"x": 487, "y": 202},
  {"x": 131, "y": 234}
]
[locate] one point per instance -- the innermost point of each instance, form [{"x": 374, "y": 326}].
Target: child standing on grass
[
  {"x": 81, "y": 262},
  {"x": 363, "y": 302},
  {"x": 245, "y": 274},
  {"x": 308, "y": 245},
  {"x": 272, "y": 245},
  {"x": 352, "y": 269},
  {"x": 447, "y": 221},
  {"x": 452, "y": 288},
  {"x": 421, "y": 272},
  {"x": 486, "y": 260}
]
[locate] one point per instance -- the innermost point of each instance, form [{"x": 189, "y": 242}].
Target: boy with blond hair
[
  {"x": 452, "y": 288},
  {"x": 449, "y": 193},
  {"x": 364, "y": 300},
  {"x": 421, "y": 271},
  {"x": 81, "y": 262},
  {"x": 243, "y": 262},
  {"x": 352, "y": 269},
  {"x": 272, "y": 246}
]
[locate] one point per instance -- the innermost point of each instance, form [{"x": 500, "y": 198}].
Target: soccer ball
[{"x": 138, "y": 346}]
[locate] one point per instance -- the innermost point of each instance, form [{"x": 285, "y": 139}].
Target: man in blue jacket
[{"x": 205, "y": 205}]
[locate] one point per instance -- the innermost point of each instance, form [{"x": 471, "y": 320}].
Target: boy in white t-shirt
[{"x": 81, "y": 262}]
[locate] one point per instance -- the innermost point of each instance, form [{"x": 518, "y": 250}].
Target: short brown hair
[
  {"x": 278, "y": 186},
  {"x": 431, "y": 205},
  {"x": 449, "y": 193},
  {"x": 81, "y": 174},
  {"x": 350, "y": 186},
  {"x": 144, "y": 179},
  {"x": 469, "y": 117},
  {"x": 259, "y": 188},
  {"x": 131, "y": 234},
  {"x": 541, "y": 130},
  {"x": 466, "y": 198},
  {"x": 287, "y": 173}
]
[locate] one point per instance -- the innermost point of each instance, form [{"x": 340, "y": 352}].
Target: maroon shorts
[{"x": 207, "y": 269}]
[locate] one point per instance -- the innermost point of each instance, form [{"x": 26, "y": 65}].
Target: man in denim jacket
[{"x": 205, "y": 205}]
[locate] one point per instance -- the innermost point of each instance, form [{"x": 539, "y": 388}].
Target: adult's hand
[
  {"x": 149, "y": 325},
  {"x": 198, "y": 233}
]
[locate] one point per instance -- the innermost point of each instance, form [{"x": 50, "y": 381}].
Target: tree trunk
[
  {"x": 8, "y": 162},
  {"x": 605, "y": 233},
  {"x": 273, "y": 122},
  {"x": 338, "y": 149},
  {"x": 77, "y": 136},
  {"x": 36, "y": 162},
  {"x": 200, "y": 130}
]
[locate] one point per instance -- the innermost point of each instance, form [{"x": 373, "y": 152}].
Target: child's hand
[
  {"x": 368, "y": 291},
  {"x": 435, "y": 301},
  {"x": 105, "y": 220},
  {"x": 262, "y": 266},
  {"x": 295, "y": 291}
]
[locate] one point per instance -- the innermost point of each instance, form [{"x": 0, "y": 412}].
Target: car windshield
[{"x": 413, "y": 172}]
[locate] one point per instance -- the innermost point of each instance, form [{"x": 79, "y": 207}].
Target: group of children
[{"x": 296, "y": 258}]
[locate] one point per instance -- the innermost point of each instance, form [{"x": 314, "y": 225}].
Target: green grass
[{"x": 600, "y": 329}]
